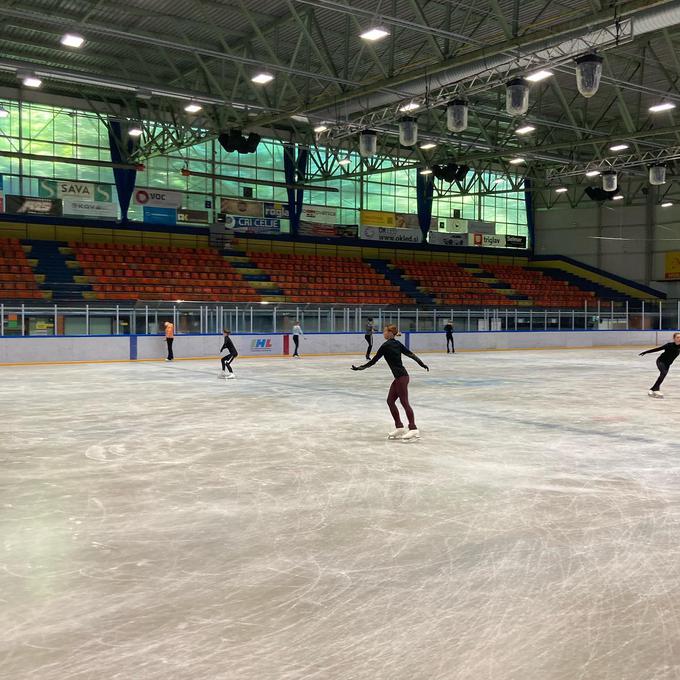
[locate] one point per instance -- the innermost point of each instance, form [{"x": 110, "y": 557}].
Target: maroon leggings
[{"x": 399, "y": 390}]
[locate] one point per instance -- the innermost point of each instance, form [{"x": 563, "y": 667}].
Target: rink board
[{"x": 18, "y": 350}]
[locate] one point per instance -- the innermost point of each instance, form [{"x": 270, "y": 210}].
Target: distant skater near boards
[
  {"x": 392, "y": 350},
  {"x": 670, "y": 350},
  {"x": 228, "y": 358},
  {"x": 297, "y": 334},
  {"x": 368, "y": 336},
  {"x": 449, "y": 337}
]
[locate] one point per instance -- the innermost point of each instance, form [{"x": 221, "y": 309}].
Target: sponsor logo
[{"x": 261, "y": 345}]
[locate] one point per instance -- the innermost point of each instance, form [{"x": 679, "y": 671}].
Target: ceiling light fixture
[
  {"x": 192, "y": 107},
  {"x": 538, "y": 76},
  {"x": 561, "y": 190},
  {"x": 427, "y": 146},
  {"x": 135, "y": 131},
  {"x": 666, "y": 106},
  {"x": 320, "y": 128},
  {"x": 375, "y": 33},
  {"x": 667, "y": 204},
  {"x": 30, "y": 80},
  {"x": 426, "y": 171},
  {"x": 618, "y": 147},
  {"x": 72, "y": 40},
  {"x": 618, "y": 197},
  {"x": 411, "y": 106},
  {"x": 516, "y": 161},
  {"x": 525, "y": 130},
  {"x": 262, "y": 78},
  {"x": 592, "y": 173}
]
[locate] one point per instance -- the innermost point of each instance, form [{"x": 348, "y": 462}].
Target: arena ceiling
[{"x": 146, "y": 59}]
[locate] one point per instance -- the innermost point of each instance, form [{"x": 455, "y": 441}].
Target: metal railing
[{"x": 146, "y": 318}]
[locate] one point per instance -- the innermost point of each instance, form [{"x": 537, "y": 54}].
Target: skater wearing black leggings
[
  {"x": 228, "y": 358},
  {"x": 297, "y": 332},
  {"x": 392, "y": 350},
  {"x": 449, "y": 337},
  {"x": 368, "y": 336},
  {"x": 670, "y": 350}
]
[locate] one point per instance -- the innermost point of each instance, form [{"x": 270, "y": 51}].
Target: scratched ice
[{"x": 160, "y": 524}]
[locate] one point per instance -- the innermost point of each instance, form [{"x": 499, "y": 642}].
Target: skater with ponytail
[{"x": 392, "y": 350}]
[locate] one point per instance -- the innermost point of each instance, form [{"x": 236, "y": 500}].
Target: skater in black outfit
[
  {"x": 228, "y": 358},
  {"x": 368, "y": 336},
  {"x": 449, "y": 337},
  {"x": 392, "y": 350},
  {"x": 670, "y": 350}
]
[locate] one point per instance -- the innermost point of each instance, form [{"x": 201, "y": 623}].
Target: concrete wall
[
  {"x": 122, "y": 348},
  {"x": 634, "y": 239}
]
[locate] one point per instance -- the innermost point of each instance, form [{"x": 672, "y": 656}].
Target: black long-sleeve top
[
  {"x": 392, "y": 351},
  {"x": 228, "y": 344},
  {"x": 448, "y": 328},
  {"x": 670, "y": 352}
]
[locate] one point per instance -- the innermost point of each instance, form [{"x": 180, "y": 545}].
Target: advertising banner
[
  {"x": 515, "y": 241},
  {"x": 453, "y": 225},
  {"x": 262, "y": 345},
  {"x": 193, "y": 217},
  {"x": 253, "y": 225},
  {"x": 277, "y": 210},
  {"x": 487, "y": 240},
  {"x": 86, "y": 191},
  {"x": 672, "y": 265},
  {"x": 376, "y": 218},
  {"x": 441, "y": 238},
  {"x": 406, "y": 221},
  {"x": 30, "y": 205},
  {"x": 391, "y": 235},
  {"x": 319, "y": 214},
  {"x": 153, "y": 215},
  {"x": 481, "y": 227},
  {"x": 237, "y": 206},
  {"x": 158, "y": 198},
  {"x": 83, "y": 207},
  {"x": 328, "y": 230}
]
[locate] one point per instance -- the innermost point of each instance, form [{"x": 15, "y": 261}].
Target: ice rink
[{"x": 160, "y": 524}]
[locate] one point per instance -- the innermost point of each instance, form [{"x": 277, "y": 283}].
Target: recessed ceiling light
[
  {"x": 618, "y": 147},
  {"x": 516, "y": 161},
  {"x": 618, "y": 197},
  {"x": 192, "y": 107},
  {"x": 666, "y": 106},
  {"x": 426, "y": 171},
  {"x": 135, "y": 131},
  {"x": 525, "y": 130},
  {"x": 538, "y": 76},
  {"x": 373, "y": 34},
  {"x": 411, "y": 106},
  {"x": 31, "y": 81},
  {"x": 592, "y": 173},
  {"x": 4, "y": 113},
  {"x": 321, "y": 128},
  {"x": 344, "y": 161},
  {"x": 561, "y": 190},
  {"x": 72, "y": 40},
  {"x": 427, "y": 145},
  {"x": 262, "y": 78},
  {"x": 667, "y": 204}
]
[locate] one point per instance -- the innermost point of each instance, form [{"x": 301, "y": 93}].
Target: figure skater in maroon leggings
[{"x": 392, "y": 350}]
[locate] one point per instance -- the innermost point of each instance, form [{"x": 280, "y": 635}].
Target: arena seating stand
[
  {"x": 543, "y": 290},
  {"x": 146, "y": 272},
  {"x": 323, "y": 279},
  {"x": 17, "y": 279},
  {"x": 450, "y": 284}
]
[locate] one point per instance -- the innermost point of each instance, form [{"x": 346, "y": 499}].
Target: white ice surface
[{"x": 157, "y": 523}]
